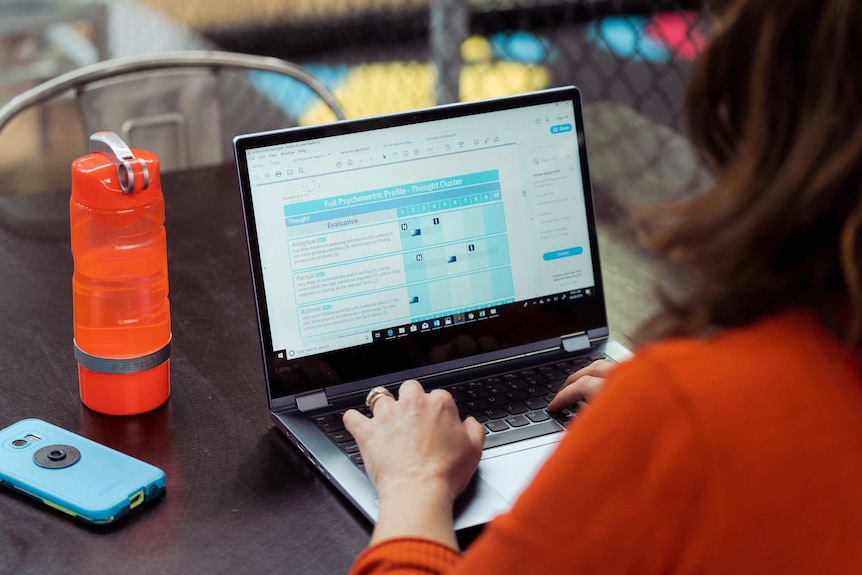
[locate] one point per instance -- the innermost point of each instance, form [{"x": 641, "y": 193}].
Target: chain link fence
[
  {"x": 631, "y": 58},
  {"x": 384, "y": 55}
]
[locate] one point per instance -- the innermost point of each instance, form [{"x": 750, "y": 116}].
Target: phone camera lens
[
  {"x": 20, "y": 443},
  {"x": 56, "y": 455}
]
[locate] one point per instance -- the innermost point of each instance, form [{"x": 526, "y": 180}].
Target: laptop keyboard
[{"x": 510, "y": 406}]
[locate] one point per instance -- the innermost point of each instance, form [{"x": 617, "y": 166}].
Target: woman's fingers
[{"x": 583, "y": 384}]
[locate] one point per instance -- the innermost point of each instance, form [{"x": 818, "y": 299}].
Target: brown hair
[{"x": 774, "y": 107}]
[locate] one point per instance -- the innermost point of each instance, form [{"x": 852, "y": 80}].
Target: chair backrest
[{"x": 185, "y": 106}]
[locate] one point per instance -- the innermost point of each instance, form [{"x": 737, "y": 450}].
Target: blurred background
[{"x": 630, "y": 58}]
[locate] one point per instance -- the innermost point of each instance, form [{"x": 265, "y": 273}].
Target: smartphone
[{"x": 73, "y": 474}]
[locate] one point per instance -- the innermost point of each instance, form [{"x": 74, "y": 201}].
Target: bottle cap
[{"x": 113, "y": 176}]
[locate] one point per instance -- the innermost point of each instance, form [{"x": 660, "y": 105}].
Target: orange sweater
[{"x": 738, "y": 454}]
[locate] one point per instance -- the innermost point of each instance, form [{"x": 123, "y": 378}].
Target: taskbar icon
[{"x": 432, "y": 324}]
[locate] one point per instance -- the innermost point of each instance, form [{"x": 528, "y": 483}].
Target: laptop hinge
[
  {"x": 576, "y": 342},
  {"x": 311, "y": 401}
]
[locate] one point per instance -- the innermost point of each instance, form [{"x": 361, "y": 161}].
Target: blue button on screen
[
  {"x": 559, "y": 254},
  {"x": 561, "y": 128}
]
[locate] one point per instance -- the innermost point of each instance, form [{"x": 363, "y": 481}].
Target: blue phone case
[{"x": 85, "y": 479}]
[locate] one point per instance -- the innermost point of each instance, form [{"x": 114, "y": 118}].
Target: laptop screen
[{"x": 377, "y": 245}]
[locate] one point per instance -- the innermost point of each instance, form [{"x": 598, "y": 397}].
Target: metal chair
[{"x": 185, "y": 106}]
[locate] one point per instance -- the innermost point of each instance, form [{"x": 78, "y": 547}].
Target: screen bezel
[{"x": 516, "y": 331}]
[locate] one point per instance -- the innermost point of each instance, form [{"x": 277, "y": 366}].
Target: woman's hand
[
  {"x": 583, "y": 384},
  {"x": 420, "y": 456}
]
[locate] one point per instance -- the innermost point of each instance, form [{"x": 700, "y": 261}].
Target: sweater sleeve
[
  {"x": 406, "y": 555},
  {"x": 627, "y": 491}
]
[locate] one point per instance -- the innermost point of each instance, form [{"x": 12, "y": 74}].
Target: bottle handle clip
[{"x": 111, "y": 145}]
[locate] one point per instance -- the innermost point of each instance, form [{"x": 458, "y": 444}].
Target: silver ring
[{"x": 375, "y": 394}]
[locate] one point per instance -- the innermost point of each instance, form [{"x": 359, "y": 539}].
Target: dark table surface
[{"x": 239, "y": 498}]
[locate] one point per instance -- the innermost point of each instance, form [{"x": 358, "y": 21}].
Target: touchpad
[{"x": 509, "y": 474}]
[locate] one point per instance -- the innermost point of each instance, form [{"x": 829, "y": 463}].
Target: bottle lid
[{"x": 113, "y": 176}]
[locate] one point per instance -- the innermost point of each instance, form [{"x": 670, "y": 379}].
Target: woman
[{"x": 732, "y": 441}]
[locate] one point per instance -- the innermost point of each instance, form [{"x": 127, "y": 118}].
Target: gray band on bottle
[{"x": 124, "y": 365}]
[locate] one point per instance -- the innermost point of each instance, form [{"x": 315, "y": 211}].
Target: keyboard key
[
  {"x": 565, "y": 366},
  {"x": 341, "y": 436},
  {"x": 536, "y": 403},
  {"x": 537, "y": 379},
  {"x": 349, "y": 447},
  {"x": 323, "y": 418},
  {"x": 477, "y": 404},
  {"x": 574, "y": 366},
  {"x": 496, "y": 413},
  {"x": 360, "y": 408},
  {"x": 538, "y": 416},
  {"x": 516, "y": 408},
  {"x": 556, "y": 383},
  {"x": 497, "y": 426},
  {"x": 519, "y": 433},
  {"x": 517, "y": 395},
  {"x": 332, "y": 426},
  {"x": 478, "y": 416},
  {"x": 517, "y": 421},
  {"x": 563, "y": 415},
  {"x": 497, "y": 388},
  {"x": 497, "y": 400},
  {"x": 459, "y": 396},
  {"x": 517, "y": 383}
]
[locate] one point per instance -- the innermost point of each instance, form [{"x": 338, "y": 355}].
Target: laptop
[{"x": 455, "y": 245}]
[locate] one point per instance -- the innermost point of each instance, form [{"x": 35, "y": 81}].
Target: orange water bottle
[{"x": 120, "y": 285}]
